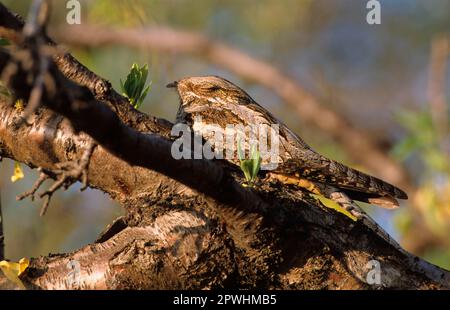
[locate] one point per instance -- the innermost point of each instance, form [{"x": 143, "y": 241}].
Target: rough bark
[
  {"x": 175, "y": 237},
  {"x": 188, "y": 224}
]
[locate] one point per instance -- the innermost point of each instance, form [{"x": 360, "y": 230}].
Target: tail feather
[{"x": 386, "y": 202}]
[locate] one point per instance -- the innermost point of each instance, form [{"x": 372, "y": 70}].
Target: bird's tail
[{"x": 386, "y": 202}]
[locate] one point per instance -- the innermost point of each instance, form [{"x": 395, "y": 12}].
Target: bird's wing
[
  {"x": 304, "y": 161},
  {"x": 312, "y": 166}
]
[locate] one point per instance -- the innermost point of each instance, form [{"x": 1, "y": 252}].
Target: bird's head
[{"x": 209, "y": 89}]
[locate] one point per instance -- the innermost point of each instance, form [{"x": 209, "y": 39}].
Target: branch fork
[{"x": 66, "y": 174}]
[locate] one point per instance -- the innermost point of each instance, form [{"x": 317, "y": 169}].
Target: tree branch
[
  {"x": 189, "y": 223},
  {"x": 259, "y": 229}
]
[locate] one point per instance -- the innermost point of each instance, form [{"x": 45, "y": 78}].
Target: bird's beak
[{"x": 172, "y": 85}]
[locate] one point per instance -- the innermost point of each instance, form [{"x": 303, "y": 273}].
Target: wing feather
[{"x": 315, "y": 167}]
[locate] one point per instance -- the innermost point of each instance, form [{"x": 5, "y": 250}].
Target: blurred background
[{"x": 390, "y": 82}]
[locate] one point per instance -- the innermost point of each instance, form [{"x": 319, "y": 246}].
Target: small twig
[
  {"x": 42, "y": 177},
  {"x": 48, "y": 193},
  {"x": 37, "y": 18},
  {"x": 34, "y": 31},
  {"x": 84, "y": 161},
  {"x": 66, "y": 173},
  {"x": 36, "y": 92}
]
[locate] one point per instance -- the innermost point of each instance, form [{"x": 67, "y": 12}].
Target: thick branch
[
  {"x": 285, "y": 242},
  {"x": 182, "y": 42},
  {"x": 10, "y": 27},
  {"x": 145, "y": 150},
  {"x": 189, "y": 224}
]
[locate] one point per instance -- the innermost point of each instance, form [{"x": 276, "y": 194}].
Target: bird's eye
[{"x": 213, "y": 88}]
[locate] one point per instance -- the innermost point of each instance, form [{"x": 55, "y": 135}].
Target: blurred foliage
[
  {"x": 374, "y": 75},
  {"x": 119, "y": 13},
  {"x": 432, "y": 197},
  {"x": 422, "y": 140},
  {"x": 73, "y": 219},
  {"x": 13, "y": 270},
  {"x": 249, "y": 166}
]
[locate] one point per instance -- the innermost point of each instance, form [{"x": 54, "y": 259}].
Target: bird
[{"x": 206, "y": 100}]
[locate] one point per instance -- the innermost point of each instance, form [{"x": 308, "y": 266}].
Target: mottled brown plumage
[{"x": 219, "y": 101}]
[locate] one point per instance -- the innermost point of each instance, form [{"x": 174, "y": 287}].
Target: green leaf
[
  {"x": 250, "y": 167},
  {"x": 240, "y": 153},
  {"x": 122, "y": 87},
  {"x": 134, "y": 87},
  {"x": 246, "y": 168},
  {"x": 256, "y": 162},
  {"x": 143, "y": 95}
]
